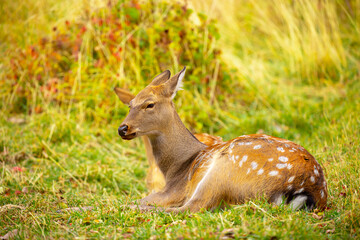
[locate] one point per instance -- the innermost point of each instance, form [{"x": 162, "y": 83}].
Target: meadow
[{"x": 284, "y": 68}]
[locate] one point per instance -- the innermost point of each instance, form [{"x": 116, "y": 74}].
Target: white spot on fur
[
  {"x": 281, "y": 166},
  {"x": 302, "y": 183},
  {"x": 324, "y": 183},
  {"x": 322, "y": 193},
  {"x": 248, "y": 143},
  {"x": 231, "y": 145},
  {"x": 289, "y": 166},
  {"x": 287, "y": 145},
  {"x": 260, "y": 171},
  {"x": 299, "y": 191},
  {"x": 237, "y": 157},
  {"x": 316, "y": 172},
  {"x": 270, "y": 159},
  {"x": 283, "y": 159},
  {"x": 273, "y": 173},
  {"x": 312, "y": 179},
  {"x": 248, "y": 171},
  {"x": 289, "y": 187},
  {"x": 244, "y": 158},
  {"x": 280, "y": 149},
  {"x": 291, "y": 150},
  {"x": 291, "y": 179},
  {"x": 257, "y": 147},
  {"x": 254, "y": 165},
  {"x": 298, "y": 202},
  {"x": 241, "y": 143}
]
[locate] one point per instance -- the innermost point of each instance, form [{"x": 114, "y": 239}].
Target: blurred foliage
[
  {"x": 297, "y": 77},
  {"x": 125, "y": 43}
]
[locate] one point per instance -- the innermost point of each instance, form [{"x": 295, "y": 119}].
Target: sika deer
[
  {"x": 198, "y": 176},
  {"x": 155, "y": 180}
]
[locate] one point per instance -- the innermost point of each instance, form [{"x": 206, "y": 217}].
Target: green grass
[{"x": 67, "y": 152}]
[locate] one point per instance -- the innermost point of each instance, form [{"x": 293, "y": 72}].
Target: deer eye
[{"x": 151, "y": 105}]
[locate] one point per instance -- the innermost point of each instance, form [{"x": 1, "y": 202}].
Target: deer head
[{"x": 152, "y": 108}]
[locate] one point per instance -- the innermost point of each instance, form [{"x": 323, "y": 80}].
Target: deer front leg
[{"x": 164, "y": 199}]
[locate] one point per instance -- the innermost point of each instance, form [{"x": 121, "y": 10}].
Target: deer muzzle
[
  {"x": 123, "y": 130},
  {"x": 125, "y": 133}
]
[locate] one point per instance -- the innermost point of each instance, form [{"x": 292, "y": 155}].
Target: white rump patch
[
  {"x": 257, "y": 147},
  {"x": 283, "y": 159},
  {"x": 298, "y": 202},
  {"x": 273, "y": 173}
]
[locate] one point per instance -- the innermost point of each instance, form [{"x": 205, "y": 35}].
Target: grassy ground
[{"x": 296, "y": 76}]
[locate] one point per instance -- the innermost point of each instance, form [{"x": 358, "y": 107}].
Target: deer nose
[{"x": 122, "y": 130}]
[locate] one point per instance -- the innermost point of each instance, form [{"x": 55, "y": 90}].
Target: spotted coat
[{"x": 254, "y": 166}]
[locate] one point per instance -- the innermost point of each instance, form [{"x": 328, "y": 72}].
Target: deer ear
[
  {"x": 161, "y": 78},
  {"x": 124, "y": 95},
  {"x": 175, "y": 83}
]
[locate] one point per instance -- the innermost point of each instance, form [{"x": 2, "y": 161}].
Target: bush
[{"x": 125, "y": 44}]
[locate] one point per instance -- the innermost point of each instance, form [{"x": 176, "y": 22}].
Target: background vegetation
[{"x": 285, "y": 68}]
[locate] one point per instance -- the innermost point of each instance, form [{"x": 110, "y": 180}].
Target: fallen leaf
[
  {"x": 16, "y": 120},
  {"x": 10, "y": 234},
  {"x": 314, "y": 215}
]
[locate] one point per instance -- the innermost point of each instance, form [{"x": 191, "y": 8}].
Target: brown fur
[
  {"x": 199, "y": 176},
  {"x": 155, "y": 180}
]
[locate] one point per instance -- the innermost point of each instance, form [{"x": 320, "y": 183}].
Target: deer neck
[{"x": 175, "y": 148}]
